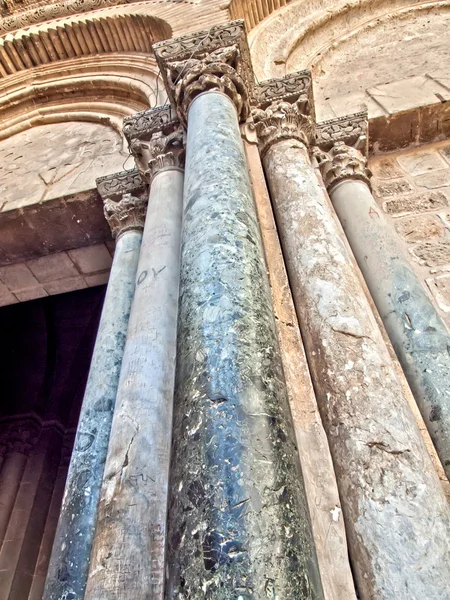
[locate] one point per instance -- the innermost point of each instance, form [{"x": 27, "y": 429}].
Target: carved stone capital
[
  {"x": 125, "y": 215},
  {"x": 22, "y": 435},
  {"x": 284, "y": 110},
  {"x": 351, "y": 129},
  {"x": 340, "y": 163},
  {"x": 217, "y": 59},
  {"x": 156, "y": 140},
  {"x": 125, "y": 196}
]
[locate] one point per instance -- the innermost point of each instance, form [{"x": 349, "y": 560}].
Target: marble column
[
  {"x": 125, "y": 204},
  {"x": 238, "y": 525},
  {"x": 418, "y": 335},
  {"x": 128, "y": 554},
  {"x": 396, "y": 515}
]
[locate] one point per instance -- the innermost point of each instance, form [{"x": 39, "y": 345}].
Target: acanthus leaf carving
[
  {"x": 350, "y": 129},
  {"x": 125, "y": 196},
  {"x": 341, "y": 163},
  {"x": 284, "y": 110},
  {"x": 214, "y": 59},
  {"x": 126, "y": 215},
  {"x": 156, "y": 140}
]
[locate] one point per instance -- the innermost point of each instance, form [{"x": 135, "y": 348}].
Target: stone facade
[
  {"x": 265, "y": 187},
  {"x": 413, "y": 189}
]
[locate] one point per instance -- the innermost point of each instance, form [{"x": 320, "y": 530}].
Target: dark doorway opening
[{"x": 45, "y": 352}]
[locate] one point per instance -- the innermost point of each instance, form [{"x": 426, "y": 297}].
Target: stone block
[
  {"x": 65, "y": 285},
  {"x": 393, "y": 188},
  {"x": 406, "y": 94},
  {"x": 434, "y": 180},
  {"x": 416, "y": 203},
  {"x": 18, "y": 277},
  {"x": 31, "y": 294},
  {"x": 418, "y": 163},
  {"x": 98, "y": 279},
  {"x": 420, "y": 228},
  {"x": 433, "y": 254},
  {"x": 91, "y": 259},
  {"x": 7, "y": 298},
  {"x": 440, "y": 288},
  {"x": 52, "y": 267},
  {"x": 385, "y": 168}
]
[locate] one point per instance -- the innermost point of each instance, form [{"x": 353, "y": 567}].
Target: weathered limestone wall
[
  {"x": 413, "y": 188},
  {"x": 56, "y": 160}
]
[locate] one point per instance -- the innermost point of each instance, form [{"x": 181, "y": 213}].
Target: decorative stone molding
[
  {"x": 22, "y": 435},
  {"x": 351, "y": 129},
  {"x": 124, "y": 196},
  {"x": 254, "y": 11},
  {"x": 112, "y": 33},
  {"x": 215, "y": 59},
  {"x": 285, "y": 110},
  {"x": 156, "y": 140},
  {"x": 43, "y": 11},
  {"x": 342, "y": 162}
]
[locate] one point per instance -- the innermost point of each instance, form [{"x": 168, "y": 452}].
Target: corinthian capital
[
  {"x": 156, "y": 140},
  {"x": 217, "y": 59},
  {"x": 340, "y": 163},
  {"x": 124, "y": 198},
  {"x": 284, "y": 110}
]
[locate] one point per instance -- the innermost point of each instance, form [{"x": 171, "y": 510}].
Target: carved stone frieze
[
  {"x": 340, "y": 163},
  {"x": 215, "y": 59},
  {"x": 351, "y": 129},
  {"x": 284, "y": 110},
  {"x": 22, "y": 435},
  {"x": 125, "y": 196},
  {"x": 156, "y": 140}
]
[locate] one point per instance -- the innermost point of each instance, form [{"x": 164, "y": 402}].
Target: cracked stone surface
[
  {"x": 54, "y": 160},
  {"x": 239, "y": 526}
]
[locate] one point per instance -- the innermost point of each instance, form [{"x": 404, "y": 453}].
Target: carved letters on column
[
  {"x": 124, "y": 197},
  {"x": 156, "y": 140},
  {"x": 342, "y": 149},
  {"x": 214, "y": 59},
  {"x": 284, "y": 109}
]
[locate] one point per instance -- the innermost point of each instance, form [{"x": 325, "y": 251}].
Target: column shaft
[
  {"x": 238, "y": 521},
  {"x": 129, "y": 547},
  {"x": 69, "y": 562},
  {"x": 10, "y": 478},
  {"x": 419, "y": 336},
  {"x": 397, "y": 518}
]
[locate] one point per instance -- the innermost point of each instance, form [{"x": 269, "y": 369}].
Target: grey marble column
[
  {"x": 239, "y": 525},
  {"x": 418, "y": 335},
  {"x": 396, "y": 515},
  {"x": 69, "y": 562},
  {"x": 129, "y": 548}
]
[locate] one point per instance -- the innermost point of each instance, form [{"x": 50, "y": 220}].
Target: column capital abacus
[
  {"x": 284, "y": 110},
  {"x": 125, "y": 196},
  {"x": 342, "y": 149},
  {"x": 22, "y": 434},
  {"x": 216, "y": 59},
  {"x": 156, "y": 140}
]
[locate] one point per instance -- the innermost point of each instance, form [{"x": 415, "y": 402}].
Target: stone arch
[
  {"x": 353, "y": 47},
  {"x": 79, "y": 37}
]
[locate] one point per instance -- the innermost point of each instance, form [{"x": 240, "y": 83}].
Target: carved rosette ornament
[
  {"x": 217, "y": 59},
  {"x": 125, "y": 197},
  {"x": 340, "y": 163},
  {"x": 284, "y": 111},
  {"x": 156, "y": 140}
]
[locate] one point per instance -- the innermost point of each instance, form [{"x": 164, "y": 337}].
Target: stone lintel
[
  {"x": 213, "y": 59},
  {"x": 284, "y": 110},
  {"x": 350, "y": 129},
  {"x": 125, "y": 196},
  {"x": 156, "y": 139}
]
